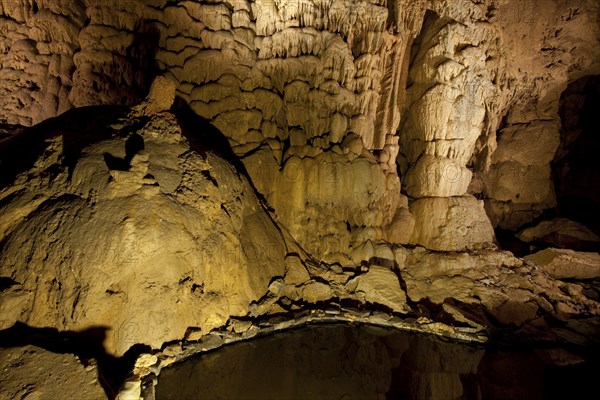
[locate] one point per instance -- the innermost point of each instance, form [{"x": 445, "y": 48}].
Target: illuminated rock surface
[
  {"x": 137, "y": 219},
  {"x": 176, "y": 175},
  {"x": 567, "y": 264}
]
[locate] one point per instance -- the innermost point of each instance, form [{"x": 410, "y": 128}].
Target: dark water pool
[{"x": 365, "y": 362}]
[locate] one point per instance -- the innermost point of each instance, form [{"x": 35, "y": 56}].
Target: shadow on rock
[{"x": 86, "y": 344}]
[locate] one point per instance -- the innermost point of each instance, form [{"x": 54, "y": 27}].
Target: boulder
[
  {"x": 562, "y": 233},
  {"x": 381, "y": 286},
  {"x": 143, "y": 231},
  {"x": 567, "y": 264}
]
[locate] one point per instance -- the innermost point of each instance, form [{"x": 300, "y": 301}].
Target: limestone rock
[
  {"x": 506, "y": 287},
  {"x": 437, "y": 177},
  {"x": 450, "y": 224},
  {"x": 438, "y": 90},
  {"x": 314, "y": 292},
  {"x": 41, "y": 374},
  {"x": 323, "y": 194},
  {"x": 381, "y": 286},
  {"x": 160, "y": 98},
  {"x": 515, "y": 312},
  {"x": 400, "y": 230},
  {"x": 296, "y": 273},
  {"x": 126, "y": 224},
  {"x": 329, "y": 77},
  {"x": 519, "y": 181},
  {"x": 560, "y": 232},
  {"x": 567, "y": 264},
  {"x": 139, "y": 219}
]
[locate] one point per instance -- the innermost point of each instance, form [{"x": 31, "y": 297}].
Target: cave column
[{"x": 448, "y": 86}]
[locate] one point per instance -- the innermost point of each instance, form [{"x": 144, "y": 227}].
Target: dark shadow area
[
  {"x": 204, "y": 138},
  {"x": 125, "y": 78},
  {"x": 8, "y": 130},
  {"x": 508, "y": 241},
  {"x": 575, "y": 167},
  {"x": 142, "y": 56},
  {"x": 133, "y": 145},
  {"x": 86, "y": 344},
  {"x": 6, "y": 283},
  {"x": 580, "y": 378},
  {"x": 19, "y": 150},
  {"x": 551, "y": 373},
  {"x": 558, "y": 238},
  {"x": 576, "y": 179},
  {"x": 78, "y": 128},
  {"x": 86, "y": 126}
]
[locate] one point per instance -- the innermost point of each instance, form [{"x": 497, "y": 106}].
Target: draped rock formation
[{"x": 177, "y": 175}]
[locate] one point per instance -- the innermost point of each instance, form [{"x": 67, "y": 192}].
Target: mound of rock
[{"x": 139, "y": 234}]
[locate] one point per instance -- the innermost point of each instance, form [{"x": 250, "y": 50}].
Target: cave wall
[
  {"x": 343, "y": 113},
  {"x": 549, "y": 48},
  {"x": 386, "y": 141}
]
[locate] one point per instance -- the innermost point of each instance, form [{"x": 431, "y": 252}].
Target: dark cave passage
[
  {"x": 574, "y": 222},
  {"x": 575, "y": 166}
]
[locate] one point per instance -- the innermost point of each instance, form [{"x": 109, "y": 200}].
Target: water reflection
[{"x": 365, "y": 362}]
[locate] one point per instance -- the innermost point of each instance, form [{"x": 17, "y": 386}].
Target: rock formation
[
  {"x": 180, "y": 172},
  {"x": 32, "y": 372}
]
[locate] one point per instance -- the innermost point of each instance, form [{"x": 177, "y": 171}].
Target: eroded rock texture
[
  {"x": 134, "y": 219},
  {"x": 466, "y": 92},
  {"x": 352, "y": 160},
  {"x": 140, "y": 225},
  {"x": 32, "y": 372}
]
